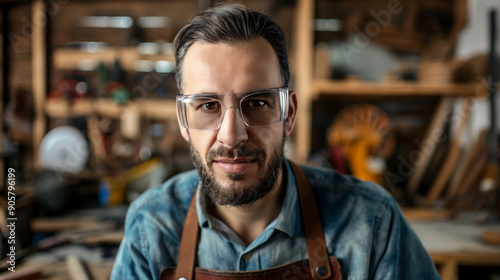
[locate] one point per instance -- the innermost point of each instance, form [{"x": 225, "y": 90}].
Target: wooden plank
[
  {"x": 411, "y": 16},
  {"x": 67, "y": 59},
  {"x": 465, "y": 165},
  {"x": 322, "y": 67},
  {"x": 107, "y": 107},
  {"x": 96, "y": 140},
  {"x": 39, "y": 57},
  {"x": 449, "y": 270},
  {"x": 2, "y": 186},
  {"x": 71, "y": 224},
  {"x": 397, "y": 39},
  {"x": 113, "y": 237},
  {"x": 396, "y": 88},
  {"x": 471, "y": 182},
  {"x": 148, "y": 108},
  {"x": 452, "y": 157},
  {"x": 303, "y": 74},
  {"x": 430, "y": 142},
  {"x": 466, "y": 258},
  {"x": 158, "y": 109},
  {"x": 491, "y": 237},
  {"x": 60, "y": 108},
  {"x": 426, "y": 214},
  {"x": 448, "y": 262}
]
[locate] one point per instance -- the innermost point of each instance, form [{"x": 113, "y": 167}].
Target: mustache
[{"x": 241, "y": 150}]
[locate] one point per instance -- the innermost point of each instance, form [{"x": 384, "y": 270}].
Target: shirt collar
[
  {"x": 288, "y": 221},
  {"x": 201, "y": 208}
]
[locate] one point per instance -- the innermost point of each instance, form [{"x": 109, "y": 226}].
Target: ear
[
  {"x": 292, "y": 113},
  {"x": 184, "y": 131}
]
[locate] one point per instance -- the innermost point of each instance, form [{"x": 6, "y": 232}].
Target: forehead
[{"x": 230, "y": 68}]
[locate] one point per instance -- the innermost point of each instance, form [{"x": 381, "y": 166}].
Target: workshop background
[{"x": 400, "y": 92}]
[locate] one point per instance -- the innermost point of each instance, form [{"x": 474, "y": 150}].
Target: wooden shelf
[
  {"x": 426, "y": 214},
  {"x": 59, "y": 108},
  {"x": 67, "y": 59},
  {"x": 449, "y": 262},
  {"x": 396, "y": 88}
]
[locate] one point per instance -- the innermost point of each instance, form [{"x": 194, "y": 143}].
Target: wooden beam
[
  {"x": 429, "y": 144},
  {"x": 452, "y": 157},
  {"x": 491, "y": 237},
  {"x": 148, "y": 108},
  {"x": 466, "y": 258},
  {"x": 39, "y": 58},
  {"x": 70, "y": 59},
  {"x": 426, "y": 214},
  {"x": 470, "y": 159},
  {"x": 449, "y": 270},
  {"x": 329, "y": 87},
  {"x": 303, "y": 69}
]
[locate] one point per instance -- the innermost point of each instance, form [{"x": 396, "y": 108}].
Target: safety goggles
[{"x": 256, "y": 108}]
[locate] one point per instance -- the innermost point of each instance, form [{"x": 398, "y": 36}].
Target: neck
[{"x": 249, "y": 221}]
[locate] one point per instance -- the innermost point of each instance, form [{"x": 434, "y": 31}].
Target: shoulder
[
  {"x": 164, "y": 208},
  {"x": 329, "y": 181},
  {"x": 153, "y": 226},
  {"x": 362, "y": 219},
  {"x": 343, "y": 197},
  {"x": 174, "y": 193}
]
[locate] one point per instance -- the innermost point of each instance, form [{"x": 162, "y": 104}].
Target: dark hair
[{"x": 230, "y": 23}]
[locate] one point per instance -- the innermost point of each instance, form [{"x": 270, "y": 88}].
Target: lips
[{"x": 237, "y": 165}]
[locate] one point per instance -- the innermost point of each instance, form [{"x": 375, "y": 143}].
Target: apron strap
[
  {"x": 311, "y": 223},
  {"x": 314, "y": 237},
  {"x": 189, "y": 243}
]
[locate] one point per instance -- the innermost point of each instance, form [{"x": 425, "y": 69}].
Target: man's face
[{"x": 237, "y": 164}]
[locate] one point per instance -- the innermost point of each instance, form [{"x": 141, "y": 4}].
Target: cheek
[
  {"x": 268, "y": 137},
  {"x": 202, "y": 142}
]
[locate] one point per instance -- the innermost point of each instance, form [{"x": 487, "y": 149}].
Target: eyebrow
[
  {"x": 239, "y": 94},
  {"x": 206, "y": 95}
]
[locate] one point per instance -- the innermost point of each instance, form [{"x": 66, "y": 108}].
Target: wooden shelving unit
[
  {"x": 309, "y": 89},
  {"x": 76, "y": 57}
]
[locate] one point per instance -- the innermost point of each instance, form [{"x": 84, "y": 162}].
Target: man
[{"x": 236, "y": 111}]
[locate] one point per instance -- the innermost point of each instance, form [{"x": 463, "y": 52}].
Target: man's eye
[
  {"x": 209, "y": 106},
  {"x": 255, "y": 103}
]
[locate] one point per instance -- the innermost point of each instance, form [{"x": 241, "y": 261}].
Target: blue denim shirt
[{"x": 364, "y": 228}]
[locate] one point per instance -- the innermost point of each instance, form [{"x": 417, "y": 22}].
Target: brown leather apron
[{"x": 318, "y": 266}]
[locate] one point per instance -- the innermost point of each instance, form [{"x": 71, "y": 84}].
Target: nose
[{"x": 232, "y": 130}]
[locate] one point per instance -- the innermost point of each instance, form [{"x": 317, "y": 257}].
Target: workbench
[{"x": 457, "y": 242}]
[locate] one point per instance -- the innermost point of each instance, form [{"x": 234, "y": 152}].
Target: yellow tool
[{"x": 367, "y": 139}]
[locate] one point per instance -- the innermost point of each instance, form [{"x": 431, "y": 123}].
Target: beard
[{"x": 235, "y": 194}]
